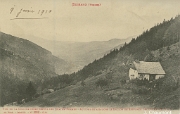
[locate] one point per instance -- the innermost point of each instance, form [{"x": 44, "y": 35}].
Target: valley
[
  {"x": 102, "y": 82},
  {"x": 116, "y": 94},
  {"x": 79, "y": 54}
]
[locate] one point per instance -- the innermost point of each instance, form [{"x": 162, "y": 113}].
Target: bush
[
  {"x": 109, "y": 76},
  {"x": 98, "y": 73},
  {"x": 101, "y": 83},
  {"x": 139, "y": 82},
  {"x": 83, "y": 83},
  {"x": 123, "y": 82},
  {"x": 140, "y": 90},
  {"x": 36, "y": 95},
  {"x": 30, "y": 90}
]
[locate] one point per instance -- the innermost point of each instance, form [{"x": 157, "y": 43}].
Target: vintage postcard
[{"x": 89, "y": 56}]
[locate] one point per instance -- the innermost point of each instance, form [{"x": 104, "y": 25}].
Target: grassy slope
[
  {"x": 161, "y": 35},
  {"x": 119, "y": 95},
  {"x": 171, "y": 64},
  {"x": 87, "y": 96}
]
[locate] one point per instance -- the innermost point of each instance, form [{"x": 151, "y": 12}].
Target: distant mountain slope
[
  {"x": 138, "y": 48},
  {"x": 22, "y": 61},
  {"x": 31, "y": 54},
  {"x": 151, "y": 45},
  {"x": 117, "y": 94},
  {"x": 79, "y": 54}
]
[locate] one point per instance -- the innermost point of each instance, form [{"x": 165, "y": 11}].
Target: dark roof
[{"x": 149, "y": 67}]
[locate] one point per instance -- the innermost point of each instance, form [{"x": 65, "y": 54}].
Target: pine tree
[
  {"x": 30, "y": 90},
  {"x": 149, "y": 58},
  {"x": 83, "y": 83}
]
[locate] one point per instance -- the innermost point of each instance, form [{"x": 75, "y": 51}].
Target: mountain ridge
[
  {"x": 79, "y": 54},
  {"x": 22, "y": 61},
  {"x": 111, "y": 71}
]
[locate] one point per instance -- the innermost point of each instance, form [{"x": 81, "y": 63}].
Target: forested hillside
[
  {"x": 105, "y": 81},
  {"x": 79, "y": 54},
  {"x": 22, "y": 61},
  {"x": 162, "y": 35},
  {"x": 160, "y": 43}
]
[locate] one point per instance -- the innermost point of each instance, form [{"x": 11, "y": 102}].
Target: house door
[{"x": 152, "y": 77}]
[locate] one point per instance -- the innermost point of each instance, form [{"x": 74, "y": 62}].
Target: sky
[{"x": 63, "y": 22}]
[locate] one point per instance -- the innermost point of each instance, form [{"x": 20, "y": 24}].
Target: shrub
[
  {"x": 98, "y": 73},
  {"x": 109, "y": 76},
  {"x": 140, "y": 90},
  {"x": 123, "y": 82},
  {"x": 83, "y": 83},
  {"x": 101, "y": 83},
  {"x": 36, "y": 95},
  {"x": 160, "y": 50},
  {"x": 139, "y": 82},
  {"x": 30, "y": 90}
]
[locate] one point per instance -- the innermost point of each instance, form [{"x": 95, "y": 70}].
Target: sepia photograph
[{"x": 85, "y": 56}]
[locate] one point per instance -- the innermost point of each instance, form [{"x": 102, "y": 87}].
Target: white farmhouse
[{"x": 149, "y": 70}]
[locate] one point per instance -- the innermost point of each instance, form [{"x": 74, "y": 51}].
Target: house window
[
  {"x": 141, "y": 76},
  {"x": 152, "y": 77}
]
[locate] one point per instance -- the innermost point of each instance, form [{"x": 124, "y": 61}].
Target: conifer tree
[{"x": 30, "y": 90}]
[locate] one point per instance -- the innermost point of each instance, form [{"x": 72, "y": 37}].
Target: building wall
[
  {"x": 146, "y": 76},
  {"x": 143, "y": 76},
  {"x": 133, "y": 74},
  {"x": 159, "y": 76}
]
